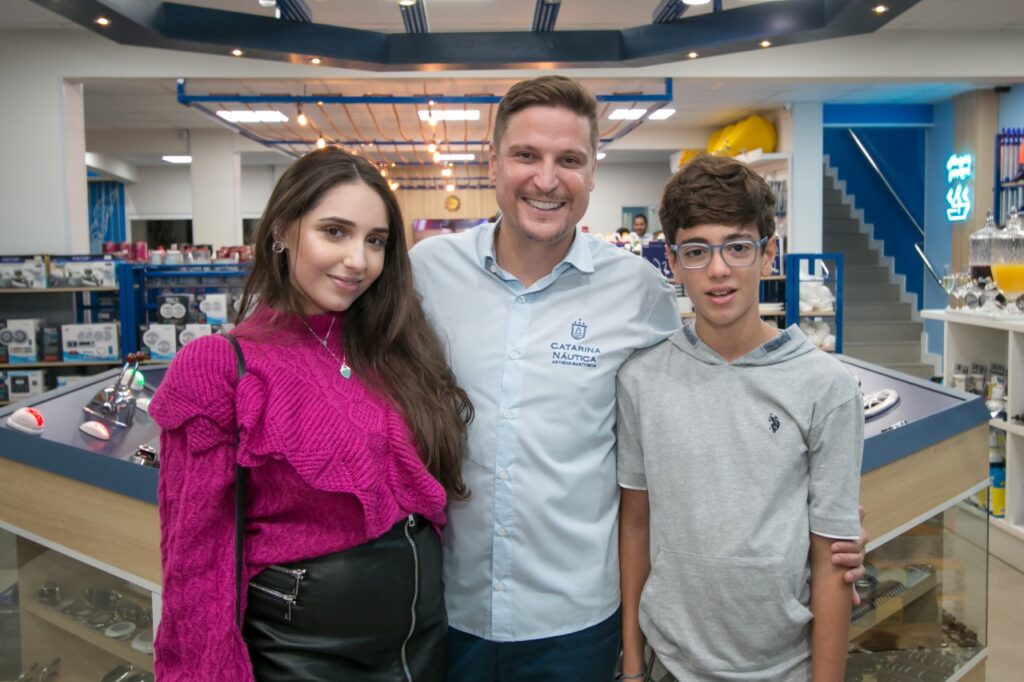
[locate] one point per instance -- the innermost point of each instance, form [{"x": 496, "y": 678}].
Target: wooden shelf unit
[{"x": 984, "y": 338}]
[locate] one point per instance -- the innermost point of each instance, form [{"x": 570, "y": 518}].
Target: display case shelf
[
  {"x": 119, "y": 648},
  {"x": 56, "y": 290},
  {"x": 891, "y": 606},
  {"x": 30, "y": 365}
]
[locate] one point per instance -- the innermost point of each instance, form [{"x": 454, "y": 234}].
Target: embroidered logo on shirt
[
  {"x": 773, "y": 422},
  {"x": 575, "y": 354}
]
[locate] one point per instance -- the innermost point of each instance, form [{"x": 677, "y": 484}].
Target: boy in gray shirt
[{"x": 739, "y": 450}]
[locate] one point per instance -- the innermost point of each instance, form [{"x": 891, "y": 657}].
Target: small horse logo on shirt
[{"x": 773, "y": 422}]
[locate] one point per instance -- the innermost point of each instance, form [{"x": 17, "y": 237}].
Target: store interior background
[{"x": 66, "y": 91}]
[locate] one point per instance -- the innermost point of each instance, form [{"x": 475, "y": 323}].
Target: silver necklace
[{"x": 344, "y": 370}]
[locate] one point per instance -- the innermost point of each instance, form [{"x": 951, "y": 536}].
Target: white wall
[
  {"x": 625, "y": 184},
  {"x": 162, "y": 192}
]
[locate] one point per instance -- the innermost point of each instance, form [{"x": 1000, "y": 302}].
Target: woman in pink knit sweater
[{"x": 349, "y": 425}]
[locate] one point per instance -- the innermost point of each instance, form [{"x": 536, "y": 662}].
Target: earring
[{"x": 277, "y": 246}]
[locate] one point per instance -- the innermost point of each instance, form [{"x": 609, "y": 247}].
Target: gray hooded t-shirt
[{"x": 742, "y": 460}]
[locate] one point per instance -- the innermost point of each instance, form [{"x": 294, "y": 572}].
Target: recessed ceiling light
[
  {"x": 266, "y": 116},
  {"x": 315, "y": 60},
  {"x": 438, "y": 156},
  {"x": 601, "y": 155},
  {"x": 693, "y": 55},
  {"x": 177, "y": 159},
  {"x": 626, "y": 114},
  {"x": 449, "y": 115},
  {"x": 236, "y": 52},
  {"x": 661, "y": 114},
  {"x": 880, "y": 9},
  {"x": 766, "y": 43},
  {"x": 103, "y": 21}
]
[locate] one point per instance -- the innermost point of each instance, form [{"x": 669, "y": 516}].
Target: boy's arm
[
  {"x": 634, "y": 567},
  {"x": 830, "y": 604}
]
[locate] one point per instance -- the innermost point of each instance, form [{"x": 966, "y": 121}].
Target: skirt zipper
[
  {"x": 288, "y": 599},
  {"x": 410, "y": 523}
]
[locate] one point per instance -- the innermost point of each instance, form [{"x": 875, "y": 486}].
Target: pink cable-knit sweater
[{"x": 332, "y": 466}]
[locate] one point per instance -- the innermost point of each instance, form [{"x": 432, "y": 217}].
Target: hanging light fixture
[
  {"x": 321, "y": 142},
  {"x": 301, "y": 117},
  {"x": 450, "y": 187}
]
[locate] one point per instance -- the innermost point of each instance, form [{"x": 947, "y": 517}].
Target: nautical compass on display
[{"x": 879, "y": 401}]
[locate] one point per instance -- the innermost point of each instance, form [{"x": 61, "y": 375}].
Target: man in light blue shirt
[{"x": 537, "y": 318}]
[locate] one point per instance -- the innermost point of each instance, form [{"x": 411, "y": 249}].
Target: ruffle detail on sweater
[
  {"x": 336, "y": 435},
  {"x": 198, "y": 391}
]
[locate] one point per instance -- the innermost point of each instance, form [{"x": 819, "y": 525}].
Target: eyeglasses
[{"x": 737, "y": 253}]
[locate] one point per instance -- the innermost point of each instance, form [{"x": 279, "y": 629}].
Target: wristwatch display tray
[
  {"x": 932, "y": 412},
  {"x": 64, "y": 449}
]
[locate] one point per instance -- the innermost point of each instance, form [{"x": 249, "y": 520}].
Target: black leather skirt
[{"x": 372, "y": 613}]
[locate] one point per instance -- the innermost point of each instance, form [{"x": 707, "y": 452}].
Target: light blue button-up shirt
[{"x": 533, "y": 553}]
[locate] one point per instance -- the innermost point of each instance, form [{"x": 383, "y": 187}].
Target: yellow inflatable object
[
  {"x": 686, "y": 156},
  {"x": 753, "y": 132}
]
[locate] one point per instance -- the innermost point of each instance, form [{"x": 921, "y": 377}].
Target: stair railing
[{"x": 885, "y": 181}]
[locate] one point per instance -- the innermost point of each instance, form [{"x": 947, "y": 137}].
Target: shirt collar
[{"x": 579, "y": 255}]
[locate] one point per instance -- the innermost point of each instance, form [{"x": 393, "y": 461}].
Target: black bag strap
[{"x": 240, "y": 476}]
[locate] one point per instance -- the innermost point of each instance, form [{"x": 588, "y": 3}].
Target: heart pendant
[{"x": 346, "y": 371}]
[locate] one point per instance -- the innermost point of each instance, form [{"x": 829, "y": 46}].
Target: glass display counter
[{"x": 75, "y": 621}]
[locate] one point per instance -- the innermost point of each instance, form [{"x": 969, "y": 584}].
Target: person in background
[
  {"x": 530, "y": 561},
  {"x": 350, "y": 427},
  {"x": 753, "y": 439},
  {"x": 639, "y": 234}
]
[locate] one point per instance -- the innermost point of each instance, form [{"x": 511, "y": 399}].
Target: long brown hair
[{"x": 388, "y": 340}]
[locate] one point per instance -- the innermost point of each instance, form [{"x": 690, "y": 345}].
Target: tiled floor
[{"x": 1005, "y": 622}]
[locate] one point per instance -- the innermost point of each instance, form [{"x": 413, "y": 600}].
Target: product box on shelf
[
  {"x": 22, "y": 272},
  {"x": 5, "y": 394},
  {"x": 62, "y": 380},
  {"x": 213, "y": 308},
  {"x": 82, "y": 271},
  {"x": 21, "y": 337},
  {"x": 25, "y": 383},
  {"x": 192, "y": 332},
  {"x": 175, "y": 308},
  {"x": 159, "y": 340},
  {"x": 90, "y": 342},
  {"x": 51, "y": 348}
]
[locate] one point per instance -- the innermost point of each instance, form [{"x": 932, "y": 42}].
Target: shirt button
[
  {"x": 520, "y": 299},
  {"x": 506, "y": 414},
  {"x": 502, "y": 532},
  {"x": 499, "y": 586},
  {"x": 494, "y": 269},
  {"x": 503, "y": 474},
  {"x": 514, "y": 355}
]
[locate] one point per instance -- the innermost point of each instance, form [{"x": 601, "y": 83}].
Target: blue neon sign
[{"x": 959, "y": 169}]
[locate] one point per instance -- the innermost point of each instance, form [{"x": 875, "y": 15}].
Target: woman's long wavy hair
[{"x": 388, "y": 340}]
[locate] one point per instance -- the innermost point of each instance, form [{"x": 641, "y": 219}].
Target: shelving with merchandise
[
  {"x": 814, "y": 297},
  {"x": 977, "y": 342},
  {"x": 77, "y": 619},
  {"x": 40, "y": 298},
  {"x": 174, "y": 304}
]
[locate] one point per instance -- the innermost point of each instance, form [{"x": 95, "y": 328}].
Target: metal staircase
[{"x": 880, "y": 323}]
